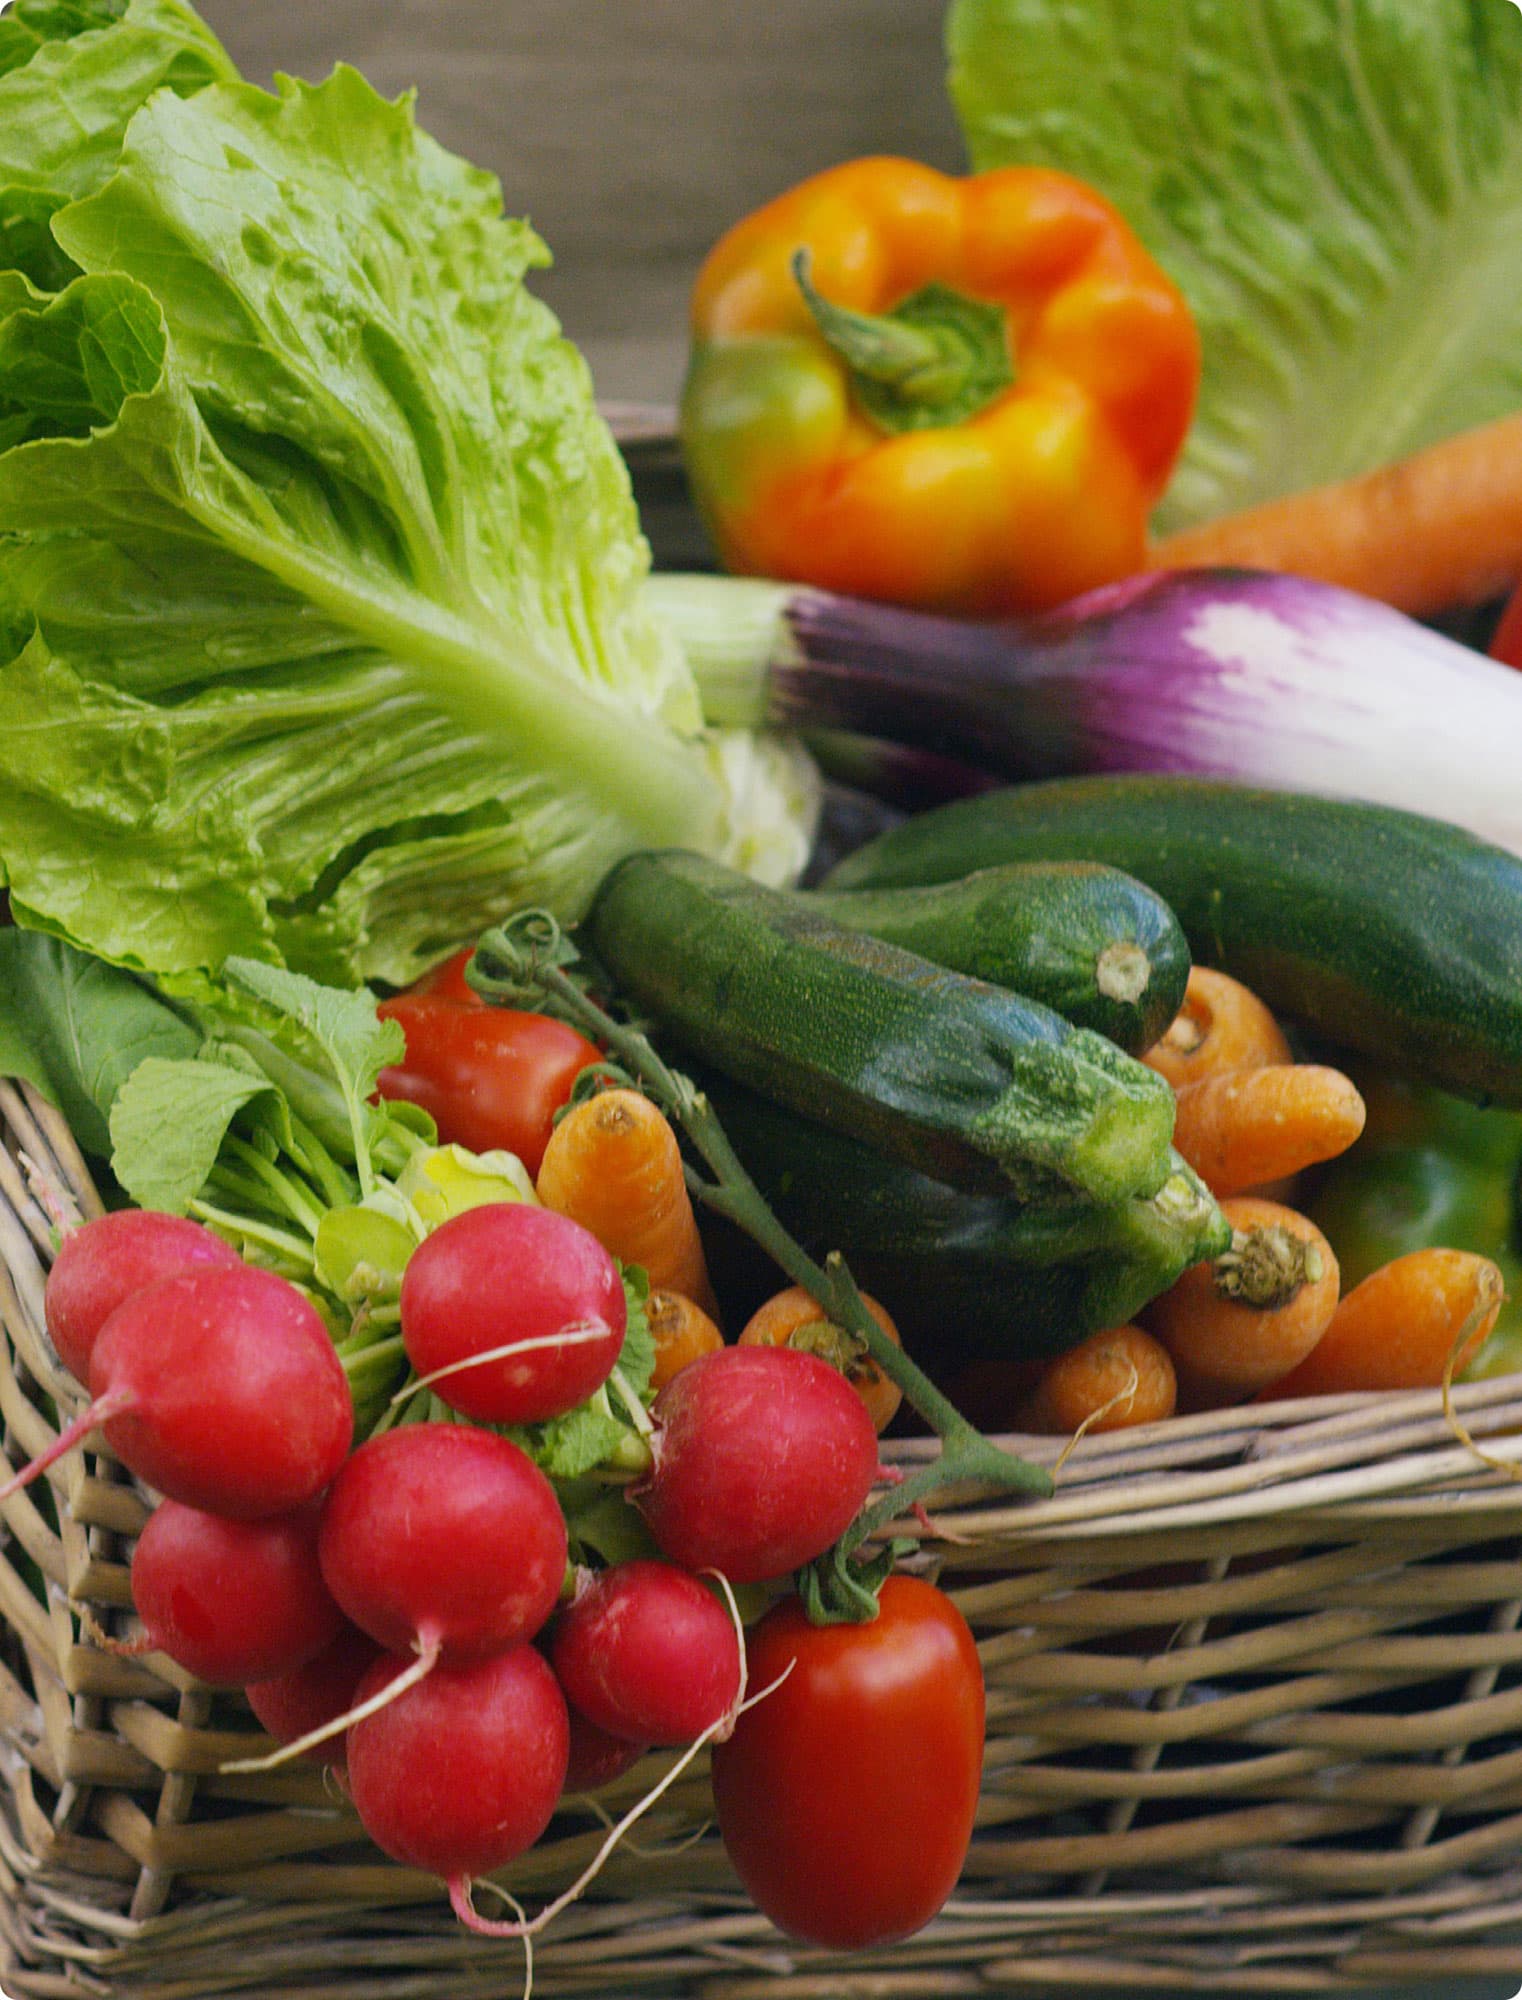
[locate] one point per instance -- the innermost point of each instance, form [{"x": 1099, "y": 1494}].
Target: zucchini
[
  {"x": 969, "y": 1276},
  {"x": 964, "y": 1081},
  {"x": 1090, "y": 942},
  {"x": 1381, "y": 930}
]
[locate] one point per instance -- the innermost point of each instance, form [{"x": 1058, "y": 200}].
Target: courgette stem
[{"x": 526, "y": 960}]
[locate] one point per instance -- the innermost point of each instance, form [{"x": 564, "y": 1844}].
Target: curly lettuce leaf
[
  {"x": 1338, "y": 190},
  {"x": 72, "y": 73},
  {"x": 321, "y": 582}
]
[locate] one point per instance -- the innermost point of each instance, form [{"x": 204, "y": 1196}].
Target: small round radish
[
  {"x": 461, "y": 1773},
  {"x": 510, "y": 1274},
  {"x": 443, "y": 1538},
  {"x": 232, "y": 1601},
  {"x": 106, "y": 1260},
  {"x": 646, "y": 1652},
  {"x": 294, "y": 1704},
  {"x": 763, "y": 1457},
  {"x": 220, "y": 1388},
  {"x": 597, "y": 1758}
]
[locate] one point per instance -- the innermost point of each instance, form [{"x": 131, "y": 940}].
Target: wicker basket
[{"x": 1255, "y": 1721}]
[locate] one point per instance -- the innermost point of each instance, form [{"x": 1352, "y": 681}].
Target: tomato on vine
[
  {"x": 490, "y": 1077},
  {"x": 845, "y": 1796}
]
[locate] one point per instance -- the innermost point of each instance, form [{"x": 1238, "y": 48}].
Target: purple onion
[{"x": 1239, "y": 674}]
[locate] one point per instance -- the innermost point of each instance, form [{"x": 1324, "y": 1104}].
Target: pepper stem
[{"x": 937, "y": 359}]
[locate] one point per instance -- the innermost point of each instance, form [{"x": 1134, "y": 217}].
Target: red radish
[
  {"x": 105, "y": 1260},
  {"x": 294, "y": 1704},
  {"x": 511, "y": 1275},
  {"x": 220, "y": 1388},
  {"x": 232, "y": 1601},
  {"x": 461, "y": 1773},
  {"x": 763, "y": 1457},
  {"x": 442, "y": 1539},
  {"x": 597, "y": 1758},
  {"x": 646, "y": 1652}
]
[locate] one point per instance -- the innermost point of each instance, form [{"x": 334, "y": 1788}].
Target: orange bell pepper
[{"x": 960, "y": 394}]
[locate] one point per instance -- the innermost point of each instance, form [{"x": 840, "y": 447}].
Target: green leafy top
[
  {"x": 321, "y": 635},
  {"x": 1338, "y": 190},
  {"x": 76, "y": 1029},
  {"x": 213, "y": 1117}
]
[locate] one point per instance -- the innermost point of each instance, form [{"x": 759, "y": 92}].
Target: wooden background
[{"x": 632, "y": 132}]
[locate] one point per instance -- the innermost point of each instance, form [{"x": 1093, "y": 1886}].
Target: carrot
[
  {"x": 613, "y": 1164},
  {"x": 1115, "y": 1378},
  {"x": 681, "y": 1332},
  {"x": 793, "y": 1319},
  {"x": 1246, "y": 1127},
  {"x": 1222, "y": 1025},
  {"x": 1237, "y": 1323},
  {"x": 1427, "y": 533},
  {"x": 1403, "y": 1326}
]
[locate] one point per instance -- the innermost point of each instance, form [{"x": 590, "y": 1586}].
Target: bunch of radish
[{"x": 404, "y": 1607}]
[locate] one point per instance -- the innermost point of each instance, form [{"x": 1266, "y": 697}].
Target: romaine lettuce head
[
  {"x": 321, "y": 636},
  {"x": 1335, "y": 184}
]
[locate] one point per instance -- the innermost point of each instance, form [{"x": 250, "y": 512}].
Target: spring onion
[{"x": 1269, "y": 679}]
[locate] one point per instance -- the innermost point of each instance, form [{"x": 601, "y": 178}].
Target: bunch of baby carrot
[{"x": 1269, "y": 1318}]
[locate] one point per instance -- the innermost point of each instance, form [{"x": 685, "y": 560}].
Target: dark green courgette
[
  {"x": 961, "y": 1080},
  {"x": 970, "y": 1276},
  {"x": 1384, "y": 931},
  {"x": 1090, "y": 942}
]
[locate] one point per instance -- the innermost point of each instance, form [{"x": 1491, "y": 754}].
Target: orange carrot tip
[
  {"x": 613, "y": 1164},
  {"x": 1246, "y": 1127},
  {"x": 1114, "y": 1379},
  {"x": 680, "y": 1330},
  {"x": 1222, "y": 1025},
  {"x": 1438, "y": 529},
  {"x": 1411, "y": 1324}
]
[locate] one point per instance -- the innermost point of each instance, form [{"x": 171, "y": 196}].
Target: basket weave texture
[{"x": 1255, "y": 1722}]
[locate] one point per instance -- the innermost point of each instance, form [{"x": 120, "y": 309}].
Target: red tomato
[
  {"x": 846, "y": 1797},
  {"x": 1506, "y": 640},
  {"x": 447, "y": 981},
  {"x": 489, "y": 1076}
]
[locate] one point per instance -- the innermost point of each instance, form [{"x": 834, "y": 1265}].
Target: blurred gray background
[{"x": 631, "y": 132}]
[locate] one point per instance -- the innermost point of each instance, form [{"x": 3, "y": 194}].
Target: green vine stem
[{"x": 528, "y": 962}]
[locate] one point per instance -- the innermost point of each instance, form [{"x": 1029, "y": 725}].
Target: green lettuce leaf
[
  {"x": 1337, "y": 189},
  {"x": 72, "y": 73},
  {"x": 321, "y": 591}
]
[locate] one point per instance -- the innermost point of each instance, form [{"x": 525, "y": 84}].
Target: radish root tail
[
  {"x": 427, "y": 1659},
  {"x": 528, "y": 1927}
]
